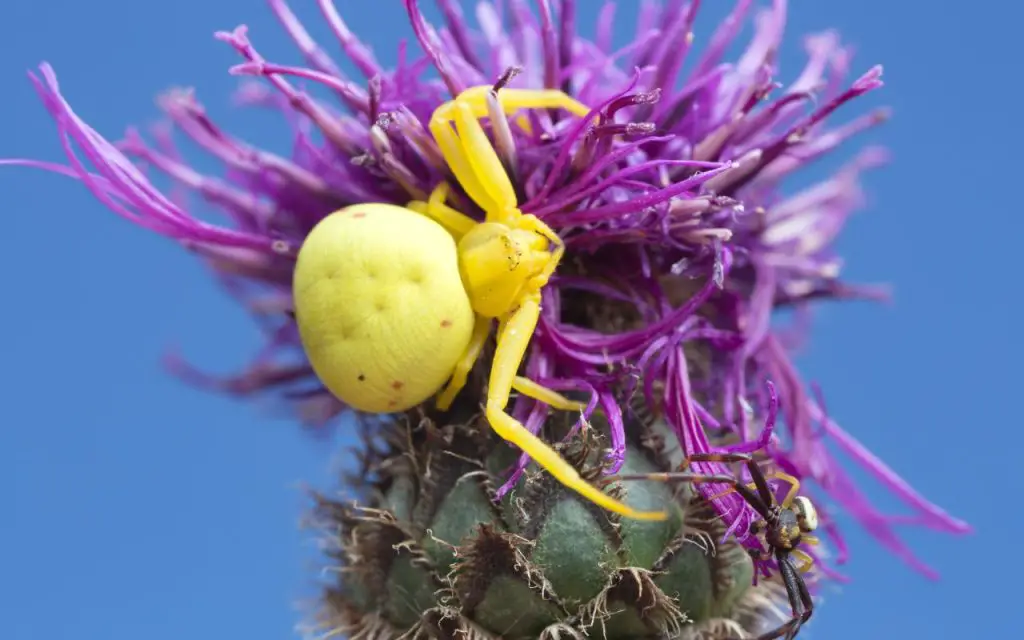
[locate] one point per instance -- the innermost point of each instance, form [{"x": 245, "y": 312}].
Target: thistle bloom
[{"x": 669, "y": 197}]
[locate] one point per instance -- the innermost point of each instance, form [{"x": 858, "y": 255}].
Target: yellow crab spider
[{"x": 393, "y": 302}]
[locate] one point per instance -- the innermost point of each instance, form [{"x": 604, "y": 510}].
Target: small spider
[
  {"x": 783, "y": 527},
  {"x": 392, "y": 302}
]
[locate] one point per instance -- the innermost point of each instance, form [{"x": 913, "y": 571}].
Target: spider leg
[
  {"x": 794, "y": 487},
  {"x": 806, "y": 602},
  {"x": 485, "y": 163},
  {"x": 531, "y": 389},
  {"x": 457, "y": 223},
  {"x": 760, "y": 482},
  {"x": 512, "y": 344},
  {"x": 763, "y": 510},
  {"x": 800, "y": 601},
  {"x": 768, "y": 476},
  {"x": 674, "y": 476},
  {"x": 806, "y": 561},
  {"x": 512, "y": 100},
  {"x": 455, "y": 156},
  {"x": 481, "y": 330},
  {"x": 470, "y": 154},
  {"x": 749, "y": 485}
]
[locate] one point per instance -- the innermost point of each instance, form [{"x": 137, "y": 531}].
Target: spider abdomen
[{"x": 381, "y": 309}]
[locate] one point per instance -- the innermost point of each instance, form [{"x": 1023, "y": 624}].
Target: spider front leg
[
  {"x": 469, "y": 153},
  {"x": 763, "y": 499},
  {"x": 473, "y": 160},
  {"x": 763, "y": 509},
  {"x": 512, "y": 100},
  {"x": 513, "y": 341}
]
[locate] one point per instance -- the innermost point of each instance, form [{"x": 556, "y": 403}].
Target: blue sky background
[{"x": 135, "y": 506}]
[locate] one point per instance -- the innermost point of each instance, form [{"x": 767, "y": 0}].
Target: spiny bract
[{"x": 426, "y": 552}]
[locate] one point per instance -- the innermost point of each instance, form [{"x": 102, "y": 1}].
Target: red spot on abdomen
[
  {"x": 359, "y": 214},
  {"x": 392, "y": 404},
  {"x": 397, "y": 384},
  {"x": 445, "y": 324}
]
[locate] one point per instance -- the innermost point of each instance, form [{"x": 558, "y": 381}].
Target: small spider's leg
[
  {"x": 803, "y": 612},
  {"x": 794, "y": 487},
  {"x": 555, "y": 400},
  {"x": 799, "y": 600},
  {"x": 767, "y": 497},
  {"x": 481, "y": 330},
  {"x": 762, "y": 508},
  {"x": 806, "y": 561},
  {"x": 806, "y": 600},
  {"x": 758, "y": 527},
  {"x": 457, "y": 223},
  {"x": 674, "y": 476},
  {"x": 512, "y": 345},
  {"x": 809, "y": 539},
  {"x": 759, "y": 557},
  {"x": 712, "y": 456},
  {"x": 749, "y": 485},
  {"x": 748, "y": 494},
  {"x": 486, "y": 164},
  {"x": 760, "y": 554}
]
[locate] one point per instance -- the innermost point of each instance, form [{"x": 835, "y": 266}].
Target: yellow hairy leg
[
  {"x": 523, "y": 385},
  {"x": 531, "y": 389},
  {"x": 381, "y": 309},
  {"x": 512, "y": 100},
  {"x": 483, "y": 160},
  {"x": 512, "y": 343},
  {"x": 470, "y": 154},
  {"x": 460, "y": 373},
  {"x": 458, "y": 224}
]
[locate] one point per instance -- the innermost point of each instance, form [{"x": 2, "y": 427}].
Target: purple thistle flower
[{"x": 669, "y": 194}]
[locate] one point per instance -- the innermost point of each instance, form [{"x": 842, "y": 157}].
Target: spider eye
[{"x": 806, "y": 514}]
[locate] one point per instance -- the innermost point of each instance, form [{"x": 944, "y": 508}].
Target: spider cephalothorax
[
  {"x": 390, "y": 307},
  {"x": 791, "y": 523}
]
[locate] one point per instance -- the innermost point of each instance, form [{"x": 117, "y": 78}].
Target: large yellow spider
[{"x": 392, "y": 302}]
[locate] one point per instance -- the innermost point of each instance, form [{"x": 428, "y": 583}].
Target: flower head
[{"x": 669, "y": 196}]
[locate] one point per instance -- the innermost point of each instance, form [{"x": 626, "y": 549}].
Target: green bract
[{"x": 427, "y": 552}]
